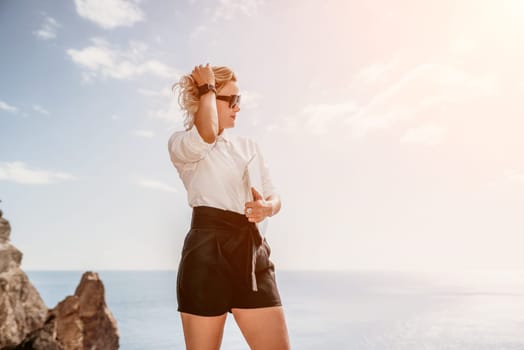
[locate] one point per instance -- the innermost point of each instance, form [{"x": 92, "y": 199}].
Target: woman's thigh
[
  {"x": 264, "y": 328},
  {"x": 203, "y": 332}
]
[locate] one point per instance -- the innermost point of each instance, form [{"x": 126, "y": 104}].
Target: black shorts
[{"x": 224, "y": 264}]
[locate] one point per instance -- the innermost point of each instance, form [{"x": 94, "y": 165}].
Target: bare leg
[
  {"x": 203, "y": 332},
  {"x": 264, "y": 328}
]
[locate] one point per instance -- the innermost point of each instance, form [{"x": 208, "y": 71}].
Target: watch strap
[{"x": 205, "y": 88}]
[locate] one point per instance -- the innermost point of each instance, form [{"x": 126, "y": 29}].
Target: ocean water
[{"x": 329, "y": 309}]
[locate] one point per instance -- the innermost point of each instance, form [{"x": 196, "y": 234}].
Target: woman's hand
[
  {"x": 259, "y": 209},
  {"x": 203, "y": 75}
]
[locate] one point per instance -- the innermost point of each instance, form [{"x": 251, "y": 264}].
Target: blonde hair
[{"x": 188, "y": 98}]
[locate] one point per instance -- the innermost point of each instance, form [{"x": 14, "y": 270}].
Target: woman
[{"x": 224, "y": 265}]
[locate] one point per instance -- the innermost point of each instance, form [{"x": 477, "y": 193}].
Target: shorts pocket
[{"x": 263, "y": 262}]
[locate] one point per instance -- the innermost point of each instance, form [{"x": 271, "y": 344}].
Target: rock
[
  {"x": 5, "y": 229},
  {"x": 10, "y": 257},
  {"x": 22, "y": 310},
  {"x": 79, "y": 322},
  {"x": 83, "y": 320},
  {"x": 43, "y": 338}
]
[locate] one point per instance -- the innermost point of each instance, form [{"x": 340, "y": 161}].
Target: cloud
[
  {"x": 249, "y": 99},
  {"x": 165, "y": 92},
  {"x": 48, "y": 29},
  {"x": 375, "y": 72},
  {"x": 4, "y": 106},
  {"x": 18, "y": 172},
  {"x": 285, "y": 124},
  {"x": 144, "y": 133},
  {"x": 318, "y": 116},
  {"x": 156, "y": 185},
  {"x": 170, "y": 112},
  {"x": 196, "y": 32},
  {"x": 425, "y": 86},
  {"x": 514, "y": 176},
  {"x": 110, "y": 14},
  {"x": 229, "y": 9},
  {"x": 40, "y": 109},
  {"x": 510, "y": 180},
  {"x": 429, "y": 134},
  {"x": 102, "y": 60},
  {"x": 463, "y": 45}
]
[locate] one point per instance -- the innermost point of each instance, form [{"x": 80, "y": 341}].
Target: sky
[{"x": 392, "y": 129}]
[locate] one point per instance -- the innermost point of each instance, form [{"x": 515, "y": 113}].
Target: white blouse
[{"x": 214, "y": 174}]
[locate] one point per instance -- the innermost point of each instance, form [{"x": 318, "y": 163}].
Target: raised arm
[
  {"x": 206, "y": 117},
  {"x": 193, "y": 144}
]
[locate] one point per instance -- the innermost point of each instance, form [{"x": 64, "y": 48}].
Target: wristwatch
[{"x": 205, "y": 88}]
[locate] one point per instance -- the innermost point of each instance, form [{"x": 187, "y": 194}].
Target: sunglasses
[{"x": 233, "y": 100}]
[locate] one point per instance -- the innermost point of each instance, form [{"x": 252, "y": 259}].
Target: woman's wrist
[{"x": 206, "y": 88}]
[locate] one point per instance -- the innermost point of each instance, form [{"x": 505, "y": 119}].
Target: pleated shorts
[{"x": 224, "y": 264}]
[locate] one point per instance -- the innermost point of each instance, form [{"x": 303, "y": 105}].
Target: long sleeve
[
  {"x": 188, "y": 146},
  {"x": 268, "y": 187}
]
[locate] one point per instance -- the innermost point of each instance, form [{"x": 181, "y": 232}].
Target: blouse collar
[{"x": 224, "y": 136}]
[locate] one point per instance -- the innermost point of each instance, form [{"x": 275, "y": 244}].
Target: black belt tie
[{"x": 211, "y": 217}]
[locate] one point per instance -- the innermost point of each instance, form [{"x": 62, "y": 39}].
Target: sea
[{"x": 355, "y": 309}]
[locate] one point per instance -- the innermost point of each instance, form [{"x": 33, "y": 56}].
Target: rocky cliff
[{"x": 80, "y": 321}]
